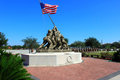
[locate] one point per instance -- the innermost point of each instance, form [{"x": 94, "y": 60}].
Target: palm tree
[
  {"x": 11, "y": 67},
  {"x": 30, "y": 43}
]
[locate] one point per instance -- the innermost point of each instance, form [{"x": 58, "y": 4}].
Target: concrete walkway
[
  {"x": 113, "y": 76},
  {"x": 90, "y": 69}
]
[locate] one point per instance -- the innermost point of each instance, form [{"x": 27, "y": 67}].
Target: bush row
[{"x": 115, "y": 56}]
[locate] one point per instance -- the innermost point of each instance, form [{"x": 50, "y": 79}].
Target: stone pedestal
[{"x": 52, "y": 59}]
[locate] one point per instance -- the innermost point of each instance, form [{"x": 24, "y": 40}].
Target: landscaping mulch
[{"x": 90, "y": 69}]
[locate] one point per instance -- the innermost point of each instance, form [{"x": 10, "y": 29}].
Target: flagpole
[
  {"x": 51, "y": 20},
  {"x": 49, "y": 16}
]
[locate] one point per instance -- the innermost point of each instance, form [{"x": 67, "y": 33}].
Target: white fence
[{"x": 20, "y": 51}]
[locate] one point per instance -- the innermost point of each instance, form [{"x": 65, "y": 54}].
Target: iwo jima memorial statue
[
  {"x": 54, "y": 50},
  {"x": 54, "y": 42}
]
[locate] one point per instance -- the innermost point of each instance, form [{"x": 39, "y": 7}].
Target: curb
[
  {"x": 110, "y": 76},
  {"x": 34, "y": 78}
]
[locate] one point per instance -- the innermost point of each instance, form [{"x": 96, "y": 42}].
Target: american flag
[{"x": 47, "y": 8}]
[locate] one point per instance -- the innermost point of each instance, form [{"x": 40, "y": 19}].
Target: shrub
[
  {"x": 94, "y": 54},
  {"x": 116, "y": 56},
  {"x": 104, "y": 55},
  {"x": 107, "y": 55},
  {"x": 11, "y": 67},
  {"x": 84, "y": 54}
]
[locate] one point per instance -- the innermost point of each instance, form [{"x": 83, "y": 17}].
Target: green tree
[
  {"x": 92, "y": 42},
  {"x": 106, "y": 46},
  {"x": 78, "y": 44},
  {"x": 30, "y": 43},
  {"x": 17, "y": 47},
  {"x": 116, "y": 44},
  {"x": 11, "y": 67},
  {"x": 66, "y": 40},
  {"x": 3, "y": 40}
]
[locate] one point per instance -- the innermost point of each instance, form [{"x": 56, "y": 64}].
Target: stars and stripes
[{"x": 47, "y": 8}]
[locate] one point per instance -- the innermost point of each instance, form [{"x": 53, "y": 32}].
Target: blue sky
[{"x": 76, "y": 20}]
